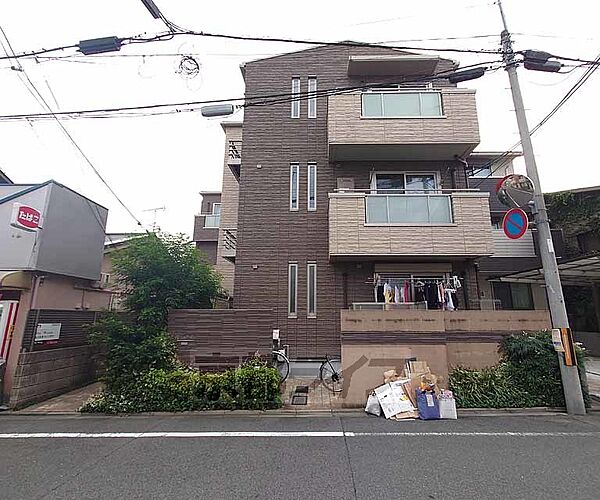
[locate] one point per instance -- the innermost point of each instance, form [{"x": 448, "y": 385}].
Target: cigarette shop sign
[{"x": 25, "y": 217}]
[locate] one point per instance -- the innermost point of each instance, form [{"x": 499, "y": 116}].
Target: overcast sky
[{"x": 165, "y": 160}]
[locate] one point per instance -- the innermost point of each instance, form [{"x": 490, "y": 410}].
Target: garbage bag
[
  {"x": 428, "y": 405},
  {"x": 373, "y": 407}
]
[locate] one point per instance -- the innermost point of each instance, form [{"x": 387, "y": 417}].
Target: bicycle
[
  {"x": 330, "y": 371},
  {"x": 331, "y": 374}
]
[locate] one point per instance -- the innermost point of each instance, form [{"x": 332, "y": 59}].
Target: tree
[{"x": 157, "y": 272}]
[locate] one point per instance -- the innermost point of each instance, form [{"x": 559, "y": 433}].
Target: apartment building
[
  {"x": 206, "y": 225},
  {"x": 354, "y": 204}
]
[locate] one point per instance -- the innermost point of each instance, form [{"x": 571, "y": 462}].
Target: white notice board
[{"x": 47, "y": 331}]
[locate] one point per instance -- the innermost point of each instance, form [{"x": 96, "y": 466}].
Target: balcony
[
  {"x": 229, "y": 244},
  {"x": 417, "y": 125},
  {"x": 505, "y": 247},
  {"x": 441, "y": 224},
  {"x": 234, "y": 157}
]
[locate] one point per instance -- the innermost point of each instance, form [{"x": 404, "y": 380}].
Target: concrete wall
[
  {"x": 45, "y": 374},
  {"x": 468, "y": 235},
  {"x": 65, "y": 293},
  {"x": 376, "y": 341},
  {"x": 443, "y": 321}
]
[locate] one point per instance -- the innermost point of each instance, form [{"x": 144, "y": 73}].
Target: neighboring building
[
  {"x": 340, "y": 195},
  {"x": 484, "y": 171},
  {"x": 51, "y": 241},
  {"x": 4, "y": 178},
  {"x": 108, "y": 279},
  {"x": 206, "y": 225}
]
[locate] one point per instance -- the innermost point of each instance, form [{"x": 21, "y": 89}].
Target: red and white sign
[{"x": 25, "y": 217}]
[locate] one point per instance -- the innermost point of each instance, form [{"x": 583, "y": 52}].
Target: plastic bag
[
  {"x": 429, "y": 408},
  {"x": 447, "y": 408},
  {"x": 373, "y": 407}
]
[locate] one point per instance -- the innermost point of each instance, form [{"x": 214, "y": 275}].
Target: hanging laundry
[
  {"x": 449, "y": 301},
  {"x": 388, "y": 293},
  {"x": 396, "y": 294}
]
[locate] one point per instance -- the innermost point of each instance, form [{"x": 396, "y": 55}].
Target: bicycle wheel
[
  {"x": 282, "y": 363},
  {"x": 331, "y": 375}
]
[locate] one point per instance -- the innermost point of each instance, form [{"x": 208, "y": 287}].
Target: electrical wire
[
  {"x": 246, "y": 101},
  {"x": 42, "y": 101},
  {"x": 584, "y": 78}
]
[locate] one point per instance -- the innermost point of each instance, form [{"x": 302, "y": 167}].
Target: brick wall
[
  {"x": 219, "y": 338},
  {"x": 44, "y": 374}
]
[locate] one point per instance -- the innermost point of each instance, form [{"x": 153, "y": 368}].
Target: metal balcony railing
[
  {"x": 234, "y": 152},
  {"x": 229, "y": 243}
]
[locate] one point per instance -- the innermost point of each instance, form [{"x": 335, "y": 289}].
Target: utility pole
[{"x": 556, "y": 302}]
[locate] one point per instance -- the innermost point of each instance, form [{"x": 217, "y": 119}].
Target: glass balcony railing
[
  {"x": 408, "y": 209},
  {"x": 211, "y": 221}
]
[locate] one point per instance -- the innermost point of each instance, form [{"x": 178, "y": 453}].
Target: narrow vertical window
[
  {"x": 292, "y": 290},
  {"x": 312, "y": 98},
  {"x": 295, "y": 97},
  {"x": 294, "y": 178},
  {"x": 312, "y": 186},
  {"x": 311, "y": 286}
]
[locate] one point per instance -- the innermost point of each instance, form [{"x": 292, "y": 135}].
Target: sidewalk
[
  {"x": 65, "y": 403},
  {"x": 592, "y": 367}
]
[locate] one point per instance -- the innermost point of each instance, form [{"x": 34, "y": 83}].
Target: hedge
[
  {"x": 528, "y": 375},
  {"x": 253, "y": 386}
]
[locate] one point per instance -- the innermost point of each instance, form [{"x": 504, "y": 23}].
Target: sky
[{"x": 156, "y": 161}]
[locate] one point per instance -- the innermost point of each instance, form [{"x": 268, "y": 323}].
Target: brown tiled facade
[{"x": 270, "y": 236}]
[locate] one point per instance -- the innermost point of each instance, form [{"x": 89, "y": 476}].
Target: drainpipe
[{"x": 466, "y": 165}]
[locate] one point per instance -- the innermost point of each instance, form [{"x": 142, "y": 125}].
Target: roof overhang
[
  {"x": 581, "y": 271},
  {"x": 392, "y": 65},
  {"x": 15, "y": 279}
]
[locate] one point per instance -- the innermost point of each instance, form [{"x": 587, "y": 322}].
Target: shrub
[
  {"x": 130, "y": 350},
  {"x": 252, "y": 386},
  {"x": 528, "y": 375}
]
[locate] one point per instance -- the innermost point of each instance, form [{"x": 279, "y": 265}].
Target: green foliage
[
  {"x": 252, "y": 386},
  {"x": 164, "y": 271},
  {"x": 575, "y": 213},
  {"x": 130, "y": 350},
  {"x": 528, "y": 375},
  {"x": 157, "y": 272}
]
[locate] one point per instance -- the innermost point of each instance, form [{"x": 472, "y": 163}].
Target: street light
[
  {"x": 217, "y": 110},
  {"x": 100, "y": 45}
]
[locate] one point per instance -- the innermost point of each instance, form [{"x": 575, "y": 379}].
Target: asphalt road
[{"x": 333, "y": 457}]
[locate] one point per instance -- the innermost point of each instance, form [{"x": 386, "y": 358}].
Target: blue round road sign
[{"x": 515, "y": 223}]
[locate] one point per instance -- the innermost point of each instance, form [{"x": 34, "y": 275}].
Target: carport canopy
[{"x": 580, "y": 271}]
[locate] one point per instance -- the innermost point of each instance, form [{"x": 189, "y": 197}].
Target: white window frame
[
  {"x": 295, "y": 111},
  {"x": 294, "y": 186},
  {"x": 312, "y": 101},
  {"x": 213, "y": 208},
  {"x": 309, "y": 313},
  {"x": 292, "y": 268},
  {"x": 435, "y": 174},
  {"x": 420, "y": 92},
  {"x": 312, "y": 171}
]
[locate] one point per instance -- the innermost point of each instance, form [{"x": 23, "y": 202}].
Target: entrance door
[{"x": 8, "y": 315}]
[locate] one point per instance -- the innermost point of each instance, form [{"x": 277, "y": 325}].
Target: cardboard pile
[{"x": 414, "y": 394}]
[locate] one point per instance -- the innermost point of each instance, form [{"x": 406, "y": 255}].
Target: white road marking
[{"x": 251, "y": 434}]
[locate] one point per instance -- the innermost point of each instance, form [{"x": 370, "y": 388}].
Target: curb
[{"x": 464, "y": 412}]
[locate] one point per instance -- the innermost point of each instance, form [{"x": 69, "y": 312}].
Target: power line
[
  {"x": 42, "y": 101},
  {"x": 247, "y": 101},
  {"x": 589, "y": 72}
]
